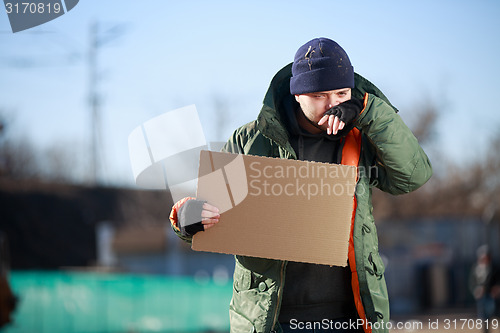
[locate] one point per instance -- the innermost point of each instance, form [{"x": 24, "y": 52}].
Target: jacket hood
[{"x": 279, "y": 104}]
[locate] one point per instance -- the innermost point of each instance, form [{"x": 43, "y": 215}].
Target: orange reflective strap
[
  {"x": 365, "y": 101},
  {"x": 350, "y": 156},
  {"x": 352, "y": 148},
  {"x": 354, "y": 279}
]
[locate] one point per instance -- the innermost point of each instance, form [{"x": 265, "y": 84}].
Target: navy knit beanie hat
[{"x": 321, "y": 65}]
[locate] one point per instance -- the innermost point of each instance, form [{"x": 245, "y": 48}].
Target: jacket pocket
[
  {"x": 242, "y": 278},
  {"x": 240, "y": 310},
  {"x": 252, "y": 300}
]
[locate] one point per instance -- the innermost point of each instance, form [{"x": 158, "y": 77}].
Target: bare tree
[
  {"x": 20, "y": 159},
  {"x": 17, "y": 157}
]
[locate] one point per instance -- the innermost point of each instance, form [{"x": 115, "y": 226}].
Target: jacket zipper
[{"x": 280, "y": 292}]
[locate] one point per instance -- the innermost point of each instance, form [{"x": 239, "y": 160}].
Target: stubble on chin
[{"x": 303, "y": 115}]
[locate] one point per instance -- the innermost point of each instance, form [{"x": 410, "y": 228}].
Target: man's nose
[{"x": 333, "y": 101}]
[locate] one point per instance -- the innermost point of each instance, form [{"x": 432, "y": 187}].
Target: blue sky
[{"x": 171, "y": 54}]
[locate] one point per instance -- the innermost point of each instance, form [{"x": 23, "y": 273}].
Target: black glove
[
  {"x": 189, "y": 217},
  {"x": 347, "y": 111}
]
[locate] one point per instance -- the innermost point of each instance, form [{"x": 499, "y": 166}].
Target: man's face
[{"x": 314, "y": 105}]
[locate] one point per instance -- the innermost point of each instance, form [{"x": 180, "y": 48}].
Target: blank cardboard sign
[{"x": 277, "y": 208}]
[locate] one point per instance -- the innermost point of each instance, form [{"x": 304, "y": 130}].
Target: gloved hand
[
  {"x": 345, "y": 113},
  {"x": 190, "y": 216}
]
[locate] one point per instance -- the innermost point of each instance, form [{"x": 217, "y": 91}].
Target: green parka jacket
[{"x": 396, "y": 163}]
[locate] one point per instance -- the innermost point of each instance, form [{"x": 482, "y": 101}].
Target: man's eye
[{"x": 319, "y": 96}]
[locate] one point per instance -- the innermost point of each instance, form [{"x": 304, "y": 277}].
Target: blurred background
[{"x": 83, "y": 249}]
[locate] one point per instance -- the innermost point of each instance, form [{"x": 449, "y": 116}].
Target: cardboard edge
[{"x": 279, "y": 158}]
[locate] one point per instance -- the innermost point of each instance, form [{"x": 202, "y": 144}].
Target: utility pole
[
  {"x": 97, "y": 40},
  {"x": 94, "y": 105}
]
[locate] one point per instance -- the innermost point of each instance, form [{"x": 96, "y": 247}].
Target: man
[
  {"x": 318, "y": 109},
  {"x": 484, "y": 283}
]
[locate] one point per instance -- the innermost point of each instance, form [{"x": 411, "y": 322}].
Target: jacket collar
[{"x": 276, "y": 103}]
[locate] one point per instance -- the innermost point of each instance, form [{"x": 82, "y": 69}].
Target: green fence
[{"x": 65, "y": 302}]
